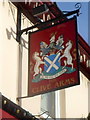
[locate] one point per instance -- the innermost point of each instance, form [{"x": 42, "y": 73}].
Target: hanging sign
[{"x": 53, "y": 58}]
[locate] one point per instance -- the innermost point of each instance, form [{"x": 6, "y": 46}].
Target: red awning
[
  {"x": 4, "y": 114},
  {"x": 8, "y": 109}
]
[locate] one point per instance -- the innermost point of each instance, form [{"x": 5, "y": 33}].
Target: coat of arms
[{"x": 49, "y": 62}]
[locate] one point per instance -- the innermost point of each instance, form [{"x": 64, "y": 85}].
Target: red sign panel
[{"x": 53, "y": 58}]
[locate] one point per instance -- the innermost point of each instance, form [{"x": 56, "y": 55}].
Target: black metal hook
[{"x": 78, "y": 5}]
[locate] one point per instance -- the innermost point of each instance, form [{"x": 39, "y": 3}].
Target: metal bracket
[
  {"x": 77, "y": 6},
  {"x": 47, "y": 23},
  {"x": 18, "y": 36}
]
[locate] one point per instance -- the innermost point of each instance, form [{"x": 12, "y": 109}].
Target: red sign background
[{"x": 67, "y": 30}]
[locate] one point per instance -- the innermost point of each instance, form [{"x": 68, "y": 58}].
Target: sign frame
[{"x": 77, "y": 62}]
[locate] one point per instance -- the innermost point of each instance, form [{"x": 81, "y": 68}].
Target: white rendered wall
[
  {"x": 8, "y": 51},
  {"x": 77, "y": 99}
]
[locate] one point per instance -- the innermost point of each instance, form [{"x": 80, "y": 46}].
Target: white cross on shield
[{"x": 52, "y": 62}]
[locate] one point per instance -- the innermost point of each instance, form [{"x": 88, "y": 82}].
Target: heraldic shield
[
  {"x": 52, "y": 63},
  {"x": 53, "y": 58}
]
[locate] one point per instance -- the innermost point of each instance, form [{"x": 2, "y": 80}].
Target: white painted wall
[
  {"x": 77, "y": 99},
  {"x": 8, "y": 51}
]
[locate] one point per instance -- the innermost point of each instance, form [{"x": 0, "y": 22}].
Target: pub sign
[{"x": 53, "y": 58}]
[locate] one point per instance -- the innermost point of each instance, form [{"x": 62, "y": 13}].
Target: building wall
[
  {"x": 77, "y": 99},
  {"x": 9, "y": 51},
  {"x": 14, "y": 72}
]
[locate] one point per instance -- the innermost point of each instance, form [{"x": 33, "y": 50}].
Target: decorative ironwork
[
  {"x": 55, "y": 14},
  {"x": 77, "y": 6},
  {"x": 62, "y": 17}
]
